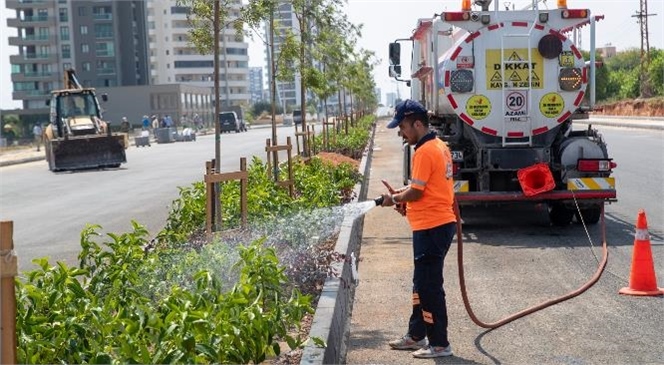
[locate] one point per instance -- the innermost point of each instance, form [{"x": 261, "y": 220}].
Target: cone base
[{"x": 652, "y": 293}]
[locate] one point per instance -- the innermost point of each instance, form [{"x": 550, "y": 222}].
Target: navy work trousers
[{"x": 429, "y": 317}]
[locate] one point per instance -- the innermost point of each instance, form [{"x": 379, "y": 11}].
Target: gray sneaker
[
  {"x": 429, "y": 352},
  {"x": 407, "y": 343}
]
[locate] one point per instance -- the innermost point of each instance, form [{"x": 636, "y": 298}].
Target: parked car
[
  {"x": 229, "y": 121},
  {"x": 297, "y": 116}
]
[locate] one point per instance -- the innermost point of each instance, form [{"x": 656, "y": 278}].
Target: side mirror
[
  {"x": 395, "y": 53},
  {"x": 395, "y": 71},
  {"x": 104, "y": 97}
]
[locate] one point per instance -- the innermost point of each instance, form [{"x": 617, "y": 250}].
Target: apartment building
[
  {"x": 288, "y": 92},
  {"x": 173, "y": 59},
  {"x": 256, "y": 84},
  {"x": 104, "y": 41}
]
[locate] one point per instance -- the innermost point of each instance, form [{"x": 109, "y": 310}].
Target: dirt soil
[{"x": 652, "y": 107}]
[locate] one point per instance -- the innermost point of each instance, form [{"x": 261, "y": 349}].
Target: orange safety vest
[{"x": 432, "y": 174}]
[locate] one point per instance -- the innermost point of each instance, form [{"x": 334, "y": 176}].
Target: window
[
  {"x": 105, "y": 49},
  {"x": 85, "y": 48},
  {"x": 84, "y": 29},
  {"x": 104, "y": 30},
  {"x": 86, "y": 66},
  {"x": 42, "y": 14},
  {"x": 64, "y": 33},
  {"x": 179, "y": 10},
  {"x": 43, "y": 33},
  {"x": 82, "y": 11},
  {"x": 44, "y": 51},
  {"x": 236, "y": 51},
  {"x": 102, "y": 13},
  {"x": 193, "y": 64},
  {"x": 63, "y": 15},
  {"x": 66, "y": 66},
  {"x": 66, "y": 51}
]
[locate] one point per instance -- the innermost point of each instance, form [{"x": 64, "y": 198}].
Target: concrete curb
[
  {"x": 331, "y": 321},
  {"x": 21, "y": 160},
  {"x": 653, "y": 124}
]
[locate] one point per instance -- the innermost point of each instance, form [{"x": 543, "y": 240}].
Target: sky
[{"x": 386, "y": 20}]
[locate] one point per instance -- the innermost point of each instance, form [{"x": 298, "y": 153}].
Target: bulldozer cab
[{"x": 82, "y": 103}]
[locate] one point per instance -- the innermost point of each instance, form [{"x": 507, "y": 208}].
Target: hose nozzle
[{"x": 379, "y": 201}]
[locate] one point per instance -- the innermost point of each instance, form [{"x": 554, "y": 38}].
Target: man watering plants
[{"x": 429, "y": 208}]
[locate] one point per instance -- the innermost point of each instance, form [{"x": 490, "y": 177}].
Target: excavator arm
[{"x": 71, "y": 81}]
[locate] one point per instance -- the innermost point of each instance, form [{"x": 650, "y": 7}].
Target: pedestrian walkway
[{"x": 382, "y": 302}]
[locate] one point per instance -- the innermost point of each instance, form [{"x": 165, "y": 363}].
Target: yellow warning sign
[
  {"x": 478, "y": 107},
  {"x": 517, "y": 69},
  {"x": 566, "y": 59},
  {"x": 551, "y": 105}
]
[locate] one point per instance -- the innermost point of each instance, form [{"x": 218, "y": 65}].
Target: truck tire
[
  {"x": 591, "y": 215},
  {"x": 559, "y": 215}
]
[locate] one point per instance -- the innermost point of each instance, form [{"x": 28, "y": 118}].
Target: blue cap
[{"x": 405, "y": 108}]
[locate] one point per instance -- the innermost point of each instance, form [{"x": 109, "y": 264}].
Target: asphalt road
[
  {"x": 49, "y": 210},
  {"x": 514, "y": 259}
]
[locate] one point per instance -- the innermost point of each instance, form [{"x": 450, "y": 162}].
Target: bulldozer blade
[{"x": 86, "y": 152}]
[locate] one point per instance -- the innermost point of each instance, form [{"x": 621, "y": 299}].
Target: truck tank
[{"x": 503, "y": 88}]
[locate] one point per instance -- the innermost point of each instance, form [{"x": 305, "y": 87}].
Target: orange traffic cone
[{"x": 642, "y": 279}]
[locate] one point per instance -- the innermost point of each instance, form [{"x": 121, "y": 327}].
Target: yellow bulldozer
[{"x": 77, "y": 137}]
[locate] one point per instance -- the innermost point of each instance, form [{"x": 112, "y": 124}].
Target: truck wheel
[
  {"x": 559, "y": 215},
  {"x": 591, "y": 215}
]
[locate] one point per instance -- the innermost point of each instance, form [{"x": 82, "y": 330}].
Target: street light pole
[{"x": 217, "y": 130}]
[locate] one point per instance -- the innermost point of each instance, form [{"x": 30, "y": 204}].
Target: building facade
[
  {"x": 289, "y": 91},
  {"x": 256, "y": 84},
  {"x": 105, "y": 42},
  {"x": 173, "y": 59}
]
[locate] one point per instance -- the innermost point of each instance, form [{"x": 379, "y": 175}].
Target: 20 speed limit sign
[{"x": 516, "y": 103}]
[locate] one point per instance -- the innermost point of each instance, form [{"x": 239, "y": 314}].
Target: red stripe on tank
[
  {"x": 519, "y": 24},
  {"x": 564, "y": 117},
  {"x": 515, "y": 134},
  {"x": 495, "y": 26},
  {"x": 578, "y": 98},
  {"x": 472, "y": 36},
  {"x": 490, "y": 131},
  {"x": 452, "y": 101},
  {"x": 455, "y": 54},
  {"x": 466, "y": 119},
  {"x": 541, "y": 130}
]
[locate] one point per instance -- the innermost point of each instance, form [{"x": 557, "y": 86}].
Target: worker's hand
[
  {"x": 387, "y": 200},
  {"x": 401, "y": 208}
]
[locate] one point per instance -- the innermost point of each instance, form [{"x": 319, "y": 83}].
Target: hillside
[{"x": 653, "y": 107}]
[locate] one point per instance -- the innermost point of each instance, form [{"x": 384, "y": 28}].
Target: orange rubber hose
[{"x": 527, "y": 311}]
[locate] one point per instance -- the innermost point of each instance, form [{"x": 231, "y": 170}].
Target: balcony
[
  {"x": 30, "y": 95},
  {"x": 31, "y": 21},
  {"x": 33, "y": 76},
  {"x": 29, "y": 4},
  {"x": 33, "y": 58},
  {"x": 32, "y": 40},
  {"x": 105, "y": 71},
  {"x": 102, "y": 16}
]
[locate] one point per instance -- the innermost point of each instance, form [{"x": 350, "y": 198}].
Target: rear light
[
  {"x": 574, "y": 13},
  {"x": 595, "y": 165},
  {"x": 456, "y": 16}
]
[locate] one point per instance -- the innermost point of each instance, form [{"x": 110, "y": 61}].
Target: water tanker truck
[{"x": 503, "y": 88}]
